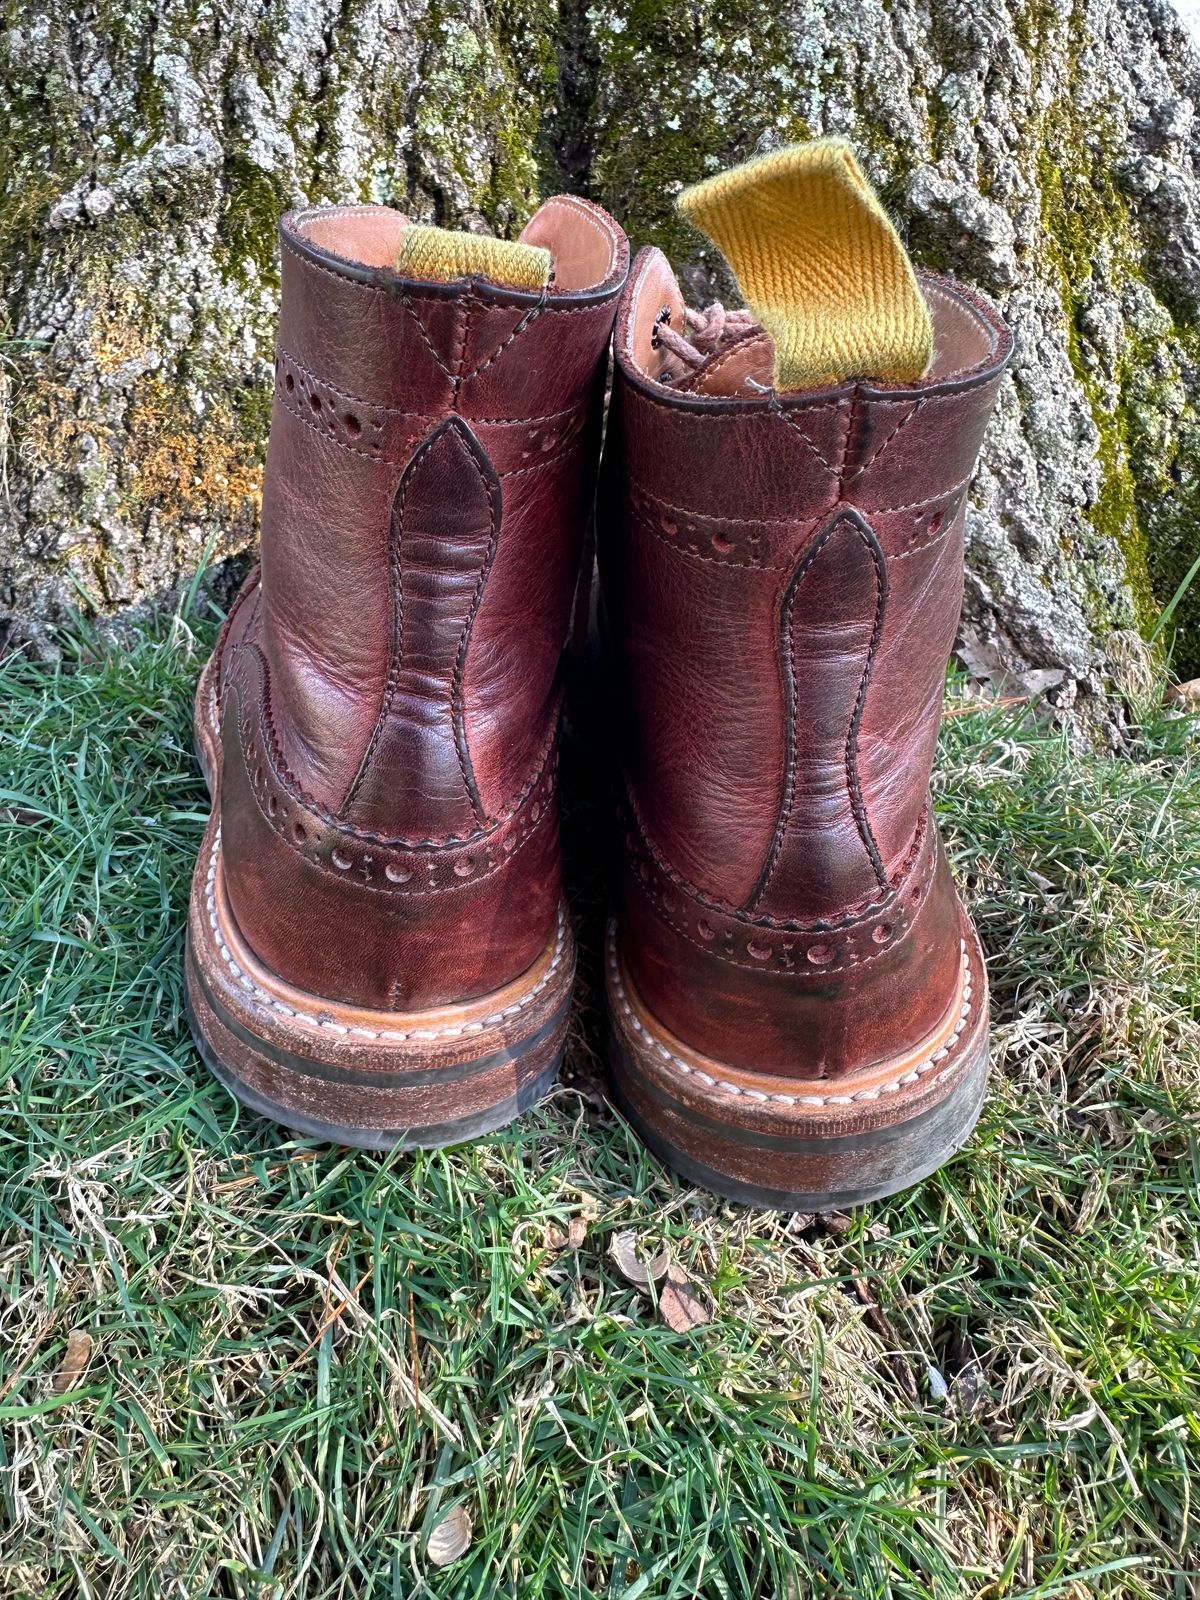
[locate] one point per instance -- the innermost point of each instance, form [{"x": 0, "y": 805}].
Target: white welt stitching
[
  {"x": 395, "y": 1035},
  {"x": 919, "y": 1071}
]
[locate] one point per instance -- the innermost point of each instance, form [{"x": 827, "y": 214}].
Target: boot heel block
[
  {"x": 786, "y": 1143},
  {"x": 373, "y": 1079}
]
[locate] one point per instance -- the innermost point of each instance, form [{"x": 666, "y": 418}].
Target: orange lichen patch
[
  {"x": 122, "y": 329},
  {"x": 47, "y": 424},
  {"x": 187, "y": 467}
]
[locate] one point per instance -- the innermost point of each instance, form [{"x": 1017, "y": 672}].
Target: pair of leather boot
[{"x": 378, "y": 947}]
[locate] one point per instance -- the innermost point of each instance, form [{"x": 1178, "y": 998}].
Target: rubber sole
[
  {"x": 785, "y": 1144},
  {"x": 431, "y": 1136},
  {"x": 365, "y": 1078}
]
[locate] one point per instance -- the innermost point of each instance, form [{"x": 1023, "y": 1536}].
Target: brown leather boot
[
  {"x": 798, "y": 1001},
  {"x": 378, "y": 950}
]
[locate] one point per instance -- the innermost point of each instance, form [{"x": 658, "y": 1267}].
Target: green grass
[{"x": 303, "y": 1357}]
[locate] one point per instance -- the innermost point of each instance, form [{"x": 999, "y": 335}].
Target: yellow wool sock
[
  {"x": 438, "y": 255},
  {"x": 819, "y": 264}
]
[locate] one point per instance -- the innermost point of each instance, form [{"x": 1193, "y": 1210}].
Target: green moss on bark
[
  {"x": 1148, "y": 501},
  {"x": 690, "y": 89}
]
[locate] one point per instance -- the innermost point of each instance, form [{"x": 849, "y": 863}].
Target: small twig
[
  {"x": 961, "y": 708},
  {"x": 272, "y": 1172},
  {"x": 334, "y": 1316},
  {"x": 876, "y": 1319},
  {"x": 39, "y": 1338}
]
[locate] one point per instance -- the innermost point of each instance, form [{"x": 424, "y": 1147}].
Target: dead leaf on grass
[
  {"x": 630, "y": 1265},
  {"x": 74, "y": 1362},
  {"x": 576, "y": 1233},
  {"x": 451, "y": 1537},
  {"x": 680, "y": 1303},
  {"x": 573, "y": 1239},
  {"x": 837, "y": 1223},
  {"x": 1185, "y": 695}
]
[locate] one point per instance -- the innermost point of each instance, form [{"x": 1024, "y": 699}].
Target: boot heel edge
[
  {"x": 372, "y": 1079},
  {"x": 788, "y": 1150}
]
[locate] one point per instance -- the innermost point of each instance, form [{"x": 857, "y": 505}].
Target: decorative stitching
[
  {"x": 362, "y": 870},
  {"x": 457, "y": 713},
  {"x": 860, "y": 912},
  {"x": 530, "y": 317},
  {"x": 738, "y": 346},
  {"x": 738, "y": 410},
  {"x": 322, "y": 433},
  {"x": 553, "y": 309},
  {"x": 605, "y": 232},
  {"x": 798, "y": 522},
  {"x": 788, "y": 610},
  {"x": 917, "y": 407},
  {"x": 775, "y": 409},
  {"x": 414, "y": 293},
  {"x": 462, "y": 332},
  {"x": 736, "y": 522},
  {"x": 751, "y": 564},
  {"x": 631, "y": 1021},
  {"x": 527, "y": 422},
  {"x": 315, "y": 266},
  {"x": 855, "y": 963},
  {"x": 845, "y": 516},
  {"x": 965, "y": 301},
  {"x": 388, "y": 460},
  {"x": 853, "y": 781},
  {"x": 493, "y": 864},
  {"x": 403, "y": 298},
  {"x": 252, "y": 585},
  {"x": 914, "y": 505},
  {"x": 948, "y": 526},
  {"x": 396, "y": 646},
  {"x": 344, "y": 394},
  {"x": 292, "y": 787},
  {"x": 326, "y": 1023},
  {"x": 547, "y": 461}
]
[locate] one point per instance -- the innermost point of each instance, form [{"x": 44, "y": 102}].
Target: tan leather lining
[{"x": 585, "y": 248}]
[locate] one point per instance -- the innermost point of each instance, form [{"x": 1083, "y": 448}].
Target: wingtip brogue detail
[
  {"x": 378, "y": 949},
  {"x": 782, "y": 577}
]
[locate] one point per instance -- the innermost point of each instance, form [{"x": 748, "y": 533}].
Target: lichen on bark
[
  {"x": 1046, "y": 150},
  {"x": 144, "y": 163}
]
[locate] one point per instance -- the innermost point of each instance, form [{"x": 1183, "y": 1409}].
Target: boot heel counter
[
  {"x": 808, "y": 999},
  {"x": 418, "y": 922}
]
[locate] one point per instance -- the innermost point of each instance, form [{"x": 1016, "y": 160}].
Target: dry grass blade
[{"x": 330, "y": 1317}]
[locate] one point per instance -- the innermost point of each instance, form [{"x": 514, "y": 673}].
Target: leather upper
[
  {"x": 782, "y": 578},
  {"x": 389, "y": 691}
]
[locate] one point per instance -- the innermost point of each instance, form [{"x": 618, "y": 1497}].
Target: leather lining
[{"x": 588, "y": 253}]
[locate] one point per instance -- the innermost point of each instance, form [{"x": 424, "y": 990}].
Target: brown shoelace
[{"x": 706, "y": 332}]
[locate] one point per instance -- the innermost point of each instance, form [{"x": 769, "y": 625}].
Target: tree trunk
[{"x": 1046, "y": 150}]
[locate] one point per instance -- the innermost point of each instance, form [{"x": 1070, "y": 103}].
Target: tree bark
[{"x": 1046, "y": 150}]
